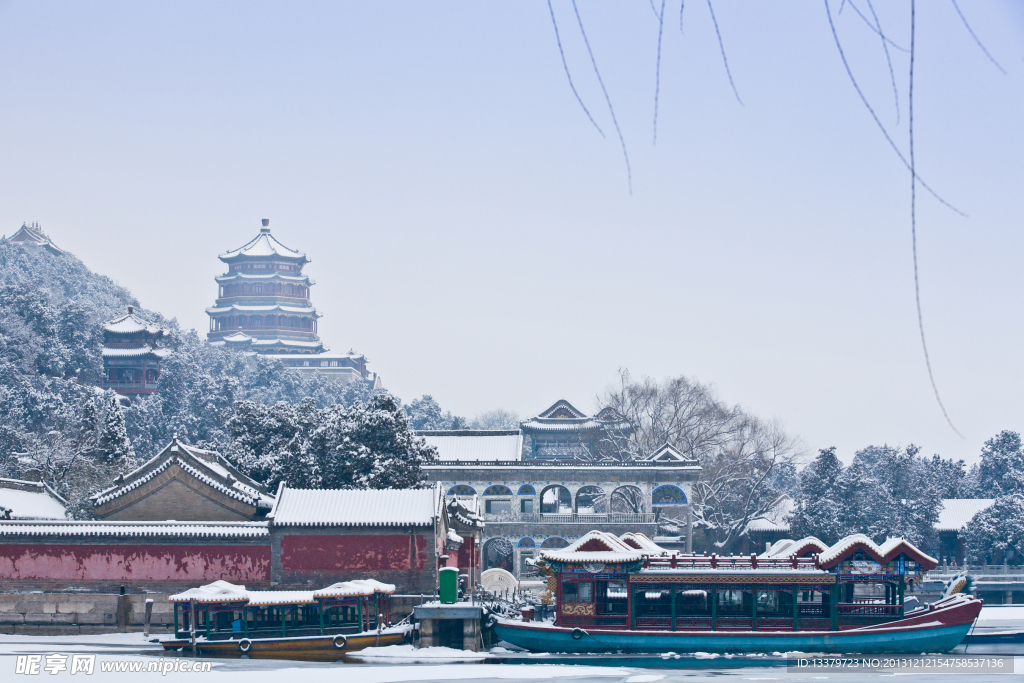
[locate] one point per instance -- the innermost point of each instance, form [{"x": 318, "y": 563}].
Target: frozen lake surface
[{"x": 402, "y": 663}]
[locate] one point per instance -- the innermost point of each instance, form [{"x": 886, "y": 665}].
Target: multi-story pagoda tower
[
  {"x": 263, "y": 302},
  {"x": 131, "y": 354}
]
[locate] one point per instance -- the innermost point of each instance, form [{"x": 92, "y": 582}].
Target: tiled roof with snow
[
  {"x": 346, "y": 589},
  {"x": 640, "y": 542},
  {"x": 595, "y": 546},
  {"x": 264, "y": 244},
  {"x": 355, "y": 507},
  {"x": 475, "y": 446},
  {"x": 134, "y": 352},
  {"x": 206, "y": 466},
  {"x": 261, "y": 598},
  {"x": 218, "y": 591},
  {"x": 955, "y": 513},
  {"x": 30, "y": 500},
  {"x": 787, "y": 548},
  {"x": 264, "y": 277},
  {"x": 882, "y": 554},
  {"x": 128, "y": 529},
  {"x": 261, "y": 308},
  {"x": 776, "y": 518},
  {"x": 130, "y": 323}
]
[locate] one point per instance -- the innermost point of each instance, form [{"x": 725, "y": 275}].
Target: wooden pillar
[
  {"x": 753, "y": 607},
  {"x": 714, "y": 607},
  {"x": 796, "y": 612},
  {"x": 672, "y": 596},
  {"x": 833, "y": 598},
  {"x": 901, "y": 590}
]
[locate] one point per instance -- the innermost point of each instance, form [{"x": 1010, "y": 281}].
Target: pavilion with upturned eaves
[
  {"x": 132, "y": 354},
  {"x": 263, "y": 299}
]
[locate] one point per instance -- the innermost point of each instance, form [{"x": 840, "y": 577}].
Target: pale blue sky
[{"x": 473, "y": 234}]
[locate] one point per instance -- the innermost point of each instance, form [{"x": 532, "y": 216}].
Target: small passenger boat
[
  {"x": 628, "y": 594},
  {"x": 228, "y": 620}
]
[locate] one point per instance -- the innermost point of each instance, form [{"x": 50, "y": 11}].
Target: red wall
[
  {"x": 135, "y": 562},
  {"x": 376, "y": 552}
]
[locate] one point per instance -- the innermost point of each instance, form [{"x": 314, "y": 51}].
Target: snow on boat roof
[
  {"x": 595, "y": 546},
  {"x": 956, "y": 513},
  {"x": 475, "y": 445},
  {"x": 108, "y": 529},
  {"x": 355, "y": 507},
  {"x": 218, "y": 591},
  {"x": 882, "y": 554},
  {"x": 787, "y": 548},
  {"x": 345, "y": 589},
  {"x": 264, "y": 244},
  {"x": 30, "y": 500},
  {"x": 260, "y": 598},
  {"x": 639, "y": 541}
]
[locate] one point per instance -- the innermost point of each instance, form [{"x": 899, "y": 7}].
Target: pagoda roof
[
  {"x": 562, "y": 416},
  {"x": 264, "y": 245},
  {"x": 264, "y": 277},
  {"x": 597, "y": 546},
  {"x": 134, "y": 352},
  {"x": 131, "y": 323},
  {"x": 34, "y": 235},
  {"x": 284, "y": 343},
  {"x": 263, "y": 308}
]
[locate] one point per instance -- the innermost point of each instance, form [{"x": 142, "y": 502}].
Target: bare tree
[{"x": 747, "y": 462}]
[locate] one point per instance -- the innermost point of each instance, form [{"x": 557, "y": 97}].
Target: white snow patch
[
  {"x": 408, "y": 653},
  {"x": 644, "y": 678},
  {"x": 1001, "y": 612}
]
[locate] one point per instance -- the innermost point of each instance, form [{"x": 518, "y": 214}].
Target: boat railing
[
  {"x": 857, "y": 609},
  {"x": 685, "y": 561}
]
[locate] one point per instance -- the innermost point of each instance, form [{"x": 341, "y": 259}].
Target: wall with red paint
[
  {"x": 193, "y": 564},
  {"x": 322, "y": 559}
]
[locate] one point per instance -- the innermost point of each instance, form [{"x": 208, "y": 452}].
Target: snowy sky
[{"x": 474, "y": 235}]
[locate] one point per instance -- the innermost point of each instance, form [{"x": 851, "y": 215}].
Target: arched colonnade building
[{"x": 527, "y": 505}]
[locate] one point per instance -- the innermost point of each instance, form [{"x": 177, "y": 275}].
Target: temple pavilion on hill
[
  {"x": 131, "y": 354},
  {"x": 263, "y": 301},
  {"x": 33, "y": 236}
]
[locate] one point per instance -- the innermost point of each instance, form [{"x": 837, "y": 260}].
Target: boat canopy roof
[
  {"x": 885, "y": 553},
  {"x": 225, "y": 592},
  {"x": 600, "y": 546}
]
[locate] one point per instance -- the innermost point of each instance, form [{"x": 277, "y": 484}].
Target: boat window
[
  {"x": 692, "y": 602},
  {"x": 577, "y": 592},
  {"x": 612, "y": 597},
  {"x": 731, "y": 601},
  {"x": 651, "y": 602},
  {"x": 811, "y": 603},
  {"x": 775, "y": 602}
]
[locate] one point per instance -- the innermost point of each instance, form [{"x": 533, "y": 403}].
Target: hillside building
[
  {"x": 33, "y": 236},
  {"x": 562, "y": 432},
  {"x": 131, "y": 354}
]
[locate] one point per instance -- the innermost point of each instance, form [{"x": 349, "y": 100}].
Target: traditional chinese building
[
  {"x": 33, "y": 236},
  {"x": 563, "y": 432},
  {"x": 131, "y": 354},
  {"x": 265, "y": 296}
]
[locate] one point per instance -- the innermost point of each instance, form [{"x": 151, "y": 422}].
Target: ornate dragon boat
[
  {"x": 224, "y": 619},
  {"x": 628, "y": 594}
]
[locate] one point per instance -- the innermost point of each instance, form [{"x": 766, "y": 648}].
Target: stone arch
[
  {"x": 555, "y": 542},
  {"x": 591, "y": 500},
  {"x": 555, "y": 499},
  {"x": 498, "y": 490},
  {"x": 499, "y": 554},
  {"x": 461, "y": 490},
  {"x": 668, "y": 494},
  {"x": 627, "y": 498},
  {"x": 527, "y": 542},
  {"x": 527, "y": 490}
]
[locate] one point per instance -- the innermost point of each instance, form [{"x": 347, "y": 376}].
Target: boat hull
[
  {"x": 323, "y": 648},
  {"x": 937, "y": 630}
]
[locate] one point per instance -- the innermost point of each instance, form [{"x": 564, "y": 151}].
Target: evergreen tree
[
  {"x": 820, "y": 502},
  {"x": 114, "y": 446},
  {"x": 425, "y": 414},
  {"x": 997, "y": 533},
  {"x": 1001, "y": 470}
]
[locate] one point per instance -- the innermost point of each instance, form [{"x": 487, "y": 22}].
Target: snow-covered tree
[
  {"x": 996, "y": 534},
  {"x": 495, "y": 419},
  {"x": 820, "y": 504},
  {"x": 114, "y": 446},
  {"x": 1001, "y": 470},
  {"x": 425, "y": 413}
]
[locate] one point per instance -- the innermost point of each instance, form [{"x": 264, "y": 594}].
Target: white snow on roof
[
  {"x": 454, "y": 537},
  {"x": 236, "y": 490},
  {"x": 786, "y": 547},
  {"x": 108, "y": 529},
  {"x": 264, "y": 244},
  {"x": 259, "y": 598},
  {"x": 476, "y": 446},
  {"x": 256, "y": 308},
  {"x": 218, "y": 591},
  {"x": 136, "y": 352},
  {"x": 891, "y": 545},
  {"x": 645, "y": 543},
  {"x": 353, "y": 507},
  {"x": 263, "y": 277},
  {"x": 616, "y": 552},
  {"x": 29, "y": 504},
  {"x": 285, "y": 342},
  {"x": 956, "y": 513},
  {"x": 344, "y": 589},
  {"x": 129, "y": 323}
]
